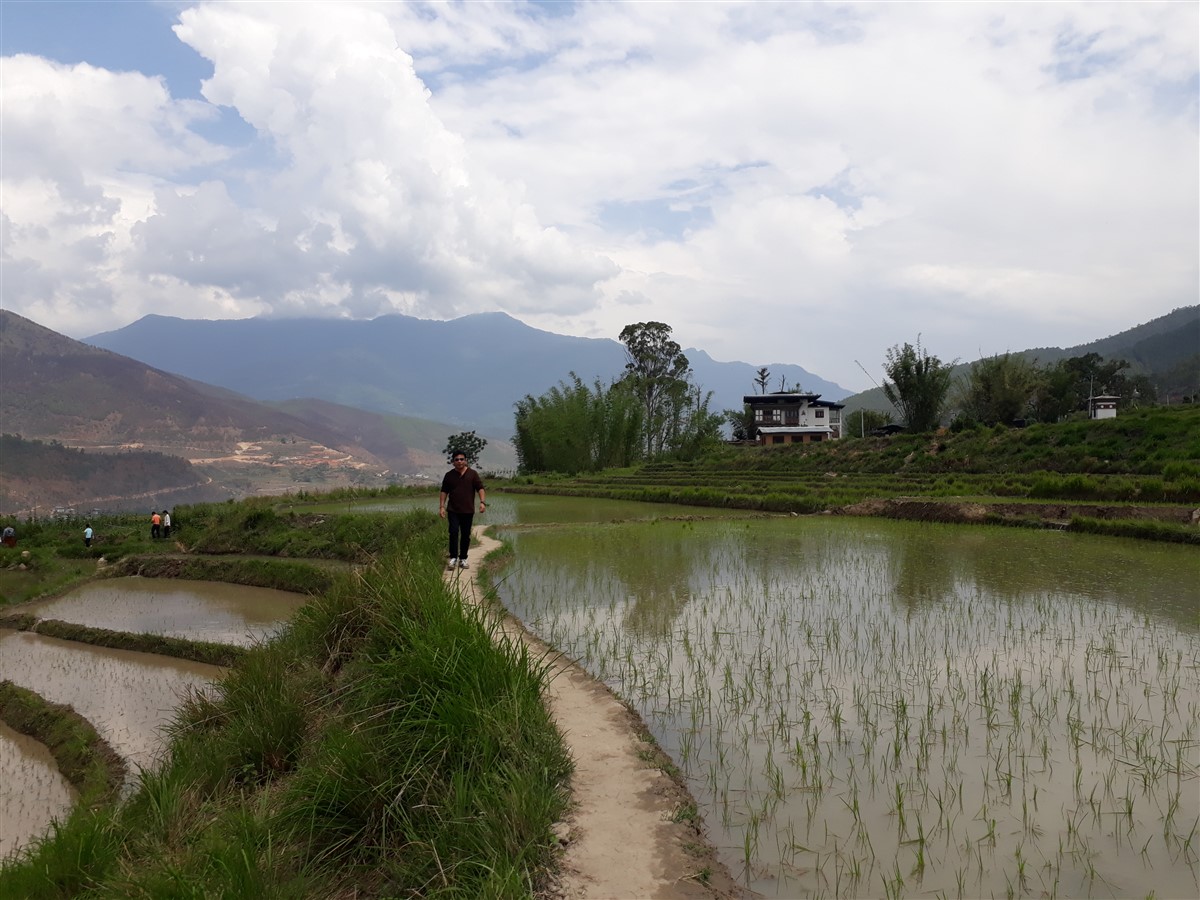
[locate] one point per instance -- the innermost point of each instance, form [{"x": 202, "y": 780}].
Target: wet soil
[{"x": 1050, "y": 514}]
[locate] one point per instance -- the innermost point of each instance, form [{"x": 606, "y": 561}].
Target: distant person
[
  {"x": 87, "y": 536},
  {"x": 155, "y": 526},
  {"x": 166, "y": 524},
  {"x": 9, "y": 537},
  {"x": 456, "y": 504}
]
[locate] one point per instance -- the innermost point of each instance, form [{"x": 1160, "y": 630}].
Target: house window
[
  {"x": 777, "y": 415},
  {"x": 758, "y": 415},
  {"x": 818, "y": 413}
]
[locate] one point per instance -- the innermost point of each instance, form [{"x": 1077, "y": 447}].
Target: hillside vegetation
[
  {"x": 383, "y": 746},
  {"x": 1149, "y": 456},
  {"x": 1164, "y": 351},
  {"x": 36, "y": 477}
]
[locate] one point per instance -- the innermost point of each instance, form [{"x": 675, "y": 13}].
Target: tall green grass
[{"x": 385, "y": 745}]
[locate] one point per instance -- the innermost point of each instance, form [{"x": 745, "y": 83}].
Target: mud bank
[{"x": 1052, "y": 515}]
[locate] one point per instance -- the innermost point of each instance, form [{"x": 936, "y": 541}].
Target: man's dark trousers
[{"x": 460, "y": 533}]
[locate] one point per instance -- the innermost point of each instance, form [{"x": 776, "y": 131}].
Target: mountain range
[
  {"x": 1166, "y": 349},
  {"x": 165, "y": 439},
  {"x": 467, "y": 371},
  {"x": 171, "y": 410}
]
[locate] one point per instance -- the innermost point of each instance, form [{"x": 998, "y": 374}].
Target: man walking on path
[{"x": 456, "y": 503}]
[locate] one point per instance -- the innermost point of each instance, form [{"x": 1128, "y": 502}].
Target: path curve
[{"x": 620, "y": 842}]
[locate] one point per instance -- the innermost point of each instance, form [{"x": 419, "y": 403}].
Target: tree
[
  {"x": 862, "y": 422},
  {"x": 918, "y": 387},
  {"x": 742, "y": 426},
  {"x": 573, "y": 428},
  {"x": 761, "y": 377},
  {"x": 658, "y": 373},
  {"x": 1066, "y": 386},
  {"x": 999, "y": 389},
  {"x": 468, "y": 443}
]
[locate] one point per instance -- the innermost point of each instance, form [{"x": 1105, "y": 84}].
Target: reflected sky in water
[
  {"x": 840, "y": 691},
  {"x": 32, "y": 790},
  {"x": 175, "y": 607}
]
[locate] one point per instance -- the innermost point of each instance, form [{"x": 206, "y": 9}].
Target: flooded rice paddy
[
  {"x": 538, "y": 509},
  {"x": 32, "y": 790},
  {"x": 887, "y": 709},
  {"x": 199, "y": 610},
  {"x": 129, "y": 697}
]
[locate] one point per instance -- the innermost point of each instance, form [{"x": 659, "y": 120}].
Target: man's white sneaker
[
  {"x": 462, "y": 564},
  {"x": 452, "y": 564}
]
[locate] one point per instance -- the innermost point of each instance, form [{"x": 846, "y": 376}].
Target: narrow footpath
[{"x": 620, "y": 841}]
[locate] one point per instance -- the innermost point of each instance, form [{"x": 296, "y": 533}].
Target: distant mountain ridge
[
  {"x": 64, "y": 392},
  {"x": 469, "y": 371},
  {"x": 1166, "y": 348}
]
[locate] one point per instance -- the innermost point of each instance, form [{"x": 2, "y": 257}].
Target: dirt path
[{"x": 620, "y": 841}]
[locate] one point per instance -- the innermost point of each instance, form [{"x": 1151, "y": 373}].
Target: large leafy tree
[
  {"x": 1064, "y": 387},
  {"x": 659, "y": 375},
  {"x": 653, "y": 410},
  {"x": 468, "y": 443},
  {"x": 862, "y": 422},
  {"x": 918, "y": 385},
  {"x": 742, "y": 426},
  {"x": 576, "y": 428},
  {"x": 998, "y": 389}
]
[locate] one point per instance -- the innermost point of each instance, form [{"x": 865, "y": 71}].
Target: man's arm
[
  {"x": 479, "y": 489},
  {"x": 442, "y": 504}
]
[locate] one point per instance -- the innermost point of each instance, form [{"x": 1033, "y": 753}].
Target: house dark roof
[
  {"x": 788, "y": 398},
  {"x": 794, "y": 429}
]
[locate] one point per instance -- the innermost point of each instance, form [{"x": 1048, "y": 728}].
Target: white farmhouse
[
  {"x": 1103, "y": 406},
  {"x": 794, "y": 417}
]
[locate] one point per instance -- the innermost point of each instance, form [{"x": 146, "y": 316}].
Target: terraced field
[{"x": 1143, "y": 467}]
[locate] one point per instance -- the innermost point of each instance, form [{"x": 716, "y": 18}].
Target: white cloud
[{"x": 782, "y": 182}]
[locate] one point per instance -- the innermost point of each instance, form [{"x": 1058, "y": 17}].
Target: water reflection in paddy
[
  {"x": 200, "y": 610},
  {"x": 874, "y": 708},
  {"x": 540, "y": 509},
  {"x": 128, "y": 696},
  {"x": 32, "y": 790}
]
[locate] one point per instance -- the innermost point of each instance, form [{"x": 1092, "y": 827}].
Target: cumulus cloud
[
  {"x": 993, "y": 176},
  {"x": 375, "y": 193}
]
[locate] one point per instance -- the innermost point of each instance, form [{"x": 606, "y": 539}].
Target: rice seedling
[{"x": 900, "y": 709}]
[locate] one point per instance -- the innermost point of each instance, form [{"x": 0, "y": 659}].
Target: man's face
[{"x": 460, "y": 462}]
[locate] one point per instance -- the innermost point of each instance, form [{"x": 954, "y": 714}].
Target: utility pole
[{"x": 881, "y": 390}]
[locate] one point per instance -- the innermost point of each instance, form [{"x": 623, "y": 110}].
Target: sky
[{"x": 803, "y": 183}]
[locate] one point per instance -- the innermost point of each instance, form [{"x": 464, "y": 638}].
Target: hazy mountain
[
  {"x": 1167, "y": 349},
  {"x": 63, "y": 392},
  {"x": 423, "y": 440},
  {"x": 468, "y": 371}
]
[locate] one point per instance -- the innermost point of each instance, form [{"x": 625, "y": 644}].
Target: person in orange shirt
[{"x": 155, "y": 525}]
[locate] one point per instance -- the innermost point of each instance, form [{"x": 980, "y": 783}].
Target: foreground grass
[{"x": 384, "y": 745}]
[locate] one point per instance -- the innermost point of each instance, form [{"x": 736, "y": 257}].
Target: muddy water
[
  {"x": 129, "y": 697},
  {"x": 32, "y": 790},
  {"x": 200, "y": 610},
  {"x": 873, "y": 708}
]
